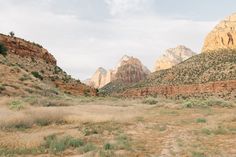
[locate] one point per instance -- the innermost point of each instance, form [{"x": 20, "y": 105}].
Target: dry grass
[{"x": 113, "y": 127}]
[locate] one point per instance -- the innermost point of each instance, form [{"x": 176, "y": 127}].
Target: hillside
[
  {"x": 187, "y": 78},
  {"x": 27, "y": 62}
]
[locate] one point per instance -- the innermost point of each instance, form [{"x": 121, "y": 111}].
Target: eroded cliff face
[
  {"x": 100, "y": 78},
  {"x": 34, "y": 59},
  {"x": 172, "y": 57},
  {"x": 224, "y": 89},
  {"x": 131, "y": 70},
  {"x": 128, "y": 70},
  {"x": 27, "y": 49},
  {"x": 223, "y": 36}
]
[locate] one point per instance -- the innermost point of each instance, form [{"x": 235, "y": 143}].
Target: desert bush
[
  {"x": 219, "y": 130},
  {"x": 25, "y": 77},
  {"x": 3, "y": 49},
  {"x": 37, "y": 75},
  {"x": 16, "y": 105},
  {"x": 123, "y": 142},
  {"x": 108, "y": 146},
  {"x": 198, "y": 154},
  {"x": 2, "y": 87},
  {"x": 211, "y": 102},
  {"x": 56, "y": 145},
  {"x": 88, "y": 147},
  {"x": 150, "y": 101},
  {"x": 201, "y": 120}
]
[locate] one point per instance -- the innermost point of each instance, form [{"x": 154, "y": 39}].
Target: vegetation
[
  {"x": 16, "y": 105},
  {"x": 12, "y": 34},
  {"x": 201, "y": 120},
  {"x": 2, "y": 88},
  {"x": 150, "y": 101},
  {"x": 56, "y": 145},
  {"x": 3, "y": 49},
  {"x": 37, "y": 75},
  {"x": 204, "y": 103}
]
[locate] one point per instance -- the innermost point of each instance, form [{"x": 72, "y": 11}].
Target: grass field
[{"x": 112, "y": 127}]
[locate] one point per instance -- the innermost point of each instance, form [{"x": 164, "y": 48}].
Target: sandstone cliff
[
  {"x": 36, "y": 61},
  {"x": 128, "y": 70},
  {"x": 223, "y": 36},
  {"x": 172, "y": 57},
  {"x": 202, "y": 75},
  {"x": 99, "y": 78}
]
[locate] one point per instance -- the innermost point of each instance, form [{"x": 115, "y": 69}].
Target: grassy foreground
[{"x": 112, "y": 127}]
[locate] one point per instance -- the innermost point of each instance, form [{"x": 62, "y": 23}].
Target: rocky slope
[
  {"x": 223, "y": 36},
  {"x": 202, "y": 75},
  {"x": 32, "y": 60},
  {"x": 211, "y": 73},
  {"x": 172, "y": 57},
  {"x": 128, "y": 70}
]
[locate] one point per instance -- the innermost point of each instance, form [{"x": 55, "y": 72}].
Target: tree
[
  {"x": 12, "y": 34},
  {"x": 3, "y": 49}
]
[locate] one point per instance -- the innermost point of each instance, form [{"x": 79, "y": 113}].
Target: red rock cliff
[{"x": 25, "y": 48}]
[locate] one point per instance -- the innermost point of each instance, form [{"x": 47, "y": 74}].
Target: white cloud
[
  {"x": 122, "y": 7},
  {"x": 82, "y": 44}
]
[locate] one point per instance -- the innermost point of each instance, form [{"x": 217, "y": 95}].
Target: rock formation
[
  {"x": 36, "y": 61},
  {"x": 99, "y": 78},
  {"x": 223, "y": 36},
  {"x": 128, "y": 70},
  {"x": 27, "y": 49},
  {"x": 172, "y": 57}
]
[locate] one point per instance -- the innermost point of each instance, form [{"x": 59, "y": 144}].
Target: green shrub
[
  {"x": 16, "y": 105},
  {"x": 201, "y": 103},
  {"x": 88, "y": 147},
  {"x": 201, "y": 120},
  {"x": 2, "y": 88},
  {"x": 108, "y": 146},
  {"x": 21, "y": 125},
  {"x": 37, "y": 75},
  {"x": 56, "y": 145},
  {"x": 24, "y": 78},
  {"x": 123, "y": 142},
  {"x": 3, "y": 49},
  {"x": 198, "y": 154}
]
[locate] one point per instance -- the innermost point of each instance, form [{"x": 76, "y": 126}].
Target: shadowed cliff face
[
  {"x": 37, "y": 61},
  {"x": 223, "y": 36}
]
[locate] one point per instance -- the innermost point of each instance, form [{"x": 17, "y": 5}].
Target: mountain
[
  {"x": 99, "y": 79},
  {"x": 172, "y": 57},
  {"x": 128, "y": 70},
  {"x": 223, "y": 36},
  {"x": 29, "y": 68},
  {"x": 211, "y": 73}
]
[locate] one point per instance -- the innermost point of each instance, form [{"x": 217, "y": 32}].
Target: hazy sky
[{"x": 86, "y": 34}]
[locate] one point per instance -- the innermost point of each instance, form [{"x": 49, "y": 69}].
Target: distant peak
[
  {"x": 125, "y": 58},
  {"x": 181, "y": 47},
  {"x": 102, "y": 70}
]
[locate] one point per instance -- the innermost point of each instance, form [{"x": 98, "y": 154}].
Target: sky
[{"x": 86, "y": 34}]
